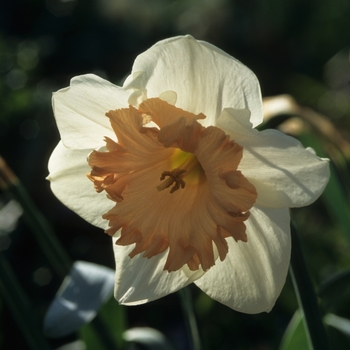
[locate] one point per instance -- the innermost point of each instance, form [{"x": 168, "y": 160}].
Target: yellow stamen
[{"x": 176, "y": 175}]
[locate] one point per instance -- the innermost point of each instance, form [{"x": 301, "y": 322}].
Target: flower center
[
  {"x": 191, "y": 227},
  {"x": 186, "y": 165}
]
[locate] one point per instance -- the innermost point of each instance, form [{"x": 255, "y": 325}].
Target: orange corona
[{"x": 176, "y": 185}]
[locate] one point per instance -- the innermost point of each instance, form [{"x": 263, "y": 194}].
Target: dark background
[{"x": 300, "y": 47}]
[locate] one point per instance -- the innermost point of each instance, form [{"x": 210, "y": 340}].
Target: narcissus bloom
[{"x": 180, "y": 178}]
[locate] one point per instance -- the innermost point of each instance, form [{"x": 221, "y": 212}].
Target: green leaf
[
  {"x": 91, "y": 338},
  {"x": 96, "y": 336},
  {"x": 114, "y": 316},
  {"x": 295, "y": 335},
  {"x": 306, "y": 296},
  {"x": 106, "y": 331}
]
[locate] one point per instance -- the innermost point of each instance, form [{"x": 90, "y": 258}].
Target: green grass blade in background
[
  {"x": 90, "y": 337},
  {"x": 39, "y": 226},
  {"x": 190, "y": 318},
  {"x": 295, "y": 337},
  {"x": 106, "y": 331},
  {"x": 113, "y": 316},
  {"x": 21, "y": 308},
  {"x": 306, "y": 295}
]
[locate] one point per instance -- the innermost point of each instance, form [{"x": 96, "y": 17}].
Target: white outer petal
[
  {"x": 206, "y": 79},
  {"x": 252, "y": 275},
  {"x": 68, "y": 169},
  {"x": 284, "y": 173},
  {"x": 80, "y": 110},
  {"x": 140, "y": 280}
]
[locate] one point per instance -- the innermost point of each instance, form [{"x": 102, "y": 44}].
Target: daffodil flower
[{"x": 179, "y": 177}]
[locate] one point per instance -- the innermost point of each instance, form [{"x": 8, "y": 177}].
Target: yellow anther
[{"x": 176, "y": 175}]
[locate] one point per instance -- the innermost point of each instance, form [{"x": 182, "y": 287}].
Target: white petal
[
  {"x": 206, "y": 79},
  {"x": 68, "y": 169},
  {"x": 80, "y": 110},
  {"x": 252, "y": 275},
  {"x": 284, "y": 173},
  {"x": 140, "y": 280}
]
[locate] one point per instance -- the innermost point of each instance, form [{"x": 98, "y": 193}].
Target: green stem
[
  {"x": 37, "y": 223},
  {"x": 190, "y": 318},
  {"x": 20, "y": 306},
  {"x": 101, "y": 330},
  {"x": 118, "y": 324},
  {"x": 306, "y": 296}
]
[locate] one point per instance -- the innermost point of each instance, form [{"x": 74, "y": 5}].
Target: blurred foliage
[
  {"x": 295, "y": 336},
  {"x": 296, "y": 47}
]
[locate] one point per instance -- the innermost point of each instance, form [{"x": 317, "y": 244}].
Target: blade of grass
[
  {"x": 306, "y": 296},
  {"x": 190, "y": 318},
  {"x": 20, "y": 306},
  {"x": 117, "y": 323},
  {"x": 37, "y": 223},
  {"x": 295, "y": 335}
]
